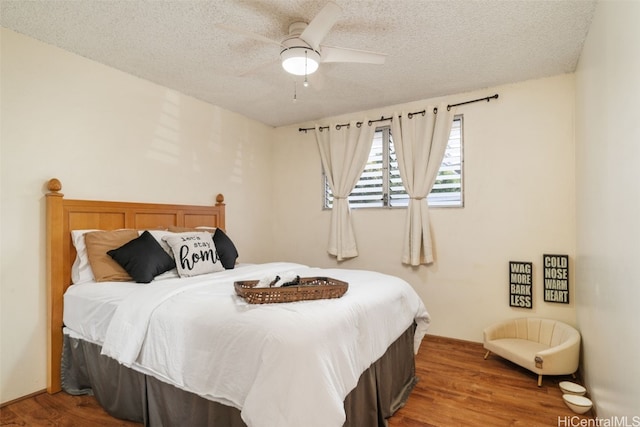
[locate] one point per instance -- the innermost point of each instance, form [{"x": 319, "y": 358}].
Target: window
[{"x": 380, "y": 184}]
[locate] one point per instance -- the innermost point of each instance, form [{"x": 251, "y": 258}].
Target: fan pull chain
[{"x": 306, "y": 82}]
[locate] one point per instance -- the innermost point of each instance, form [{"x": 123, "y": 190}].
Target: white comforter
[{"x": 286, "y": 365}]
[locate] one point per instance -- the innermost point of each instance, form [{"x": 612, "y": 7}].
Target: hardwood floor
[{"x": 457, "y": 387}]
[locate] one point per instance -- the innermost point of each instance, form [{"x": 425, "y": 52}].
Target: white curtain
[
  {"x": 420, "y": 143},
  {"x": 344, "y": 152}
]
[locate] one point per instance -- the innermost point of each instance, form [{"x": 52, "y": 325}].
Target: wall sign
[
  {"x": 556, "y": 278},
  {"x": 520, "y": 284}
]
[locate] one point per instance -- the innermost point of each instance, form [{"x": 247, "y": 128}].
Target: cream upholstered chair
[{"x": 543, "y": 346}]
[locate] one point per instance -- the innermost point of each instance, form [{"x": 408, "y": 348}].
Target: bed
[{"x": 188, "y": 351}]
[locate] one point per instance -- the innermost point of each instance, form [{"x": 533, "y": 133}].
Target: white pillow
[
  {"x": 195, "y": 253},
  {"x": 158, "y": 235},
  {"x": 81, "y": 269}
]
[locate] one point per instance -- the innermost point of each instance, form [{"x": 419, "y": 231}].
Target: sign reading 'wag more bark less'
[
  {"x": 556, "y": 278},
  {"x": 520, "y": 284}
]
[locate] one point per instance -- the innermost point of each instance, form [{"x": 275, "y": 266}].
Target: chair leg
[
  {"x": 487, "y": 355},
  {"x": 539, "y": 380}
]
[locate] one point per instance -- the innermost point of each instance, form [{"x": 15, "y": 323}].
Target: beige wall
[
  {"x": 106, "y": 135},
  {"x": 519, "y": 204},
  {"x": 109, "y": 135},
  {"x": 608, "y": 208}
]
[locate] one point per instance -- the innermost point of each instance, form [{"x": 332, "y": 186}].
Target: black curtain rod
[{"x": 423, "y": 112}]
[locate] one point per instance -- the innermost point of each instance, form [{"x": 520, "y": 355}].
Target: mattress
[
  {"x": 197, "y": 335},
  {"x": 89, "y": 306}
]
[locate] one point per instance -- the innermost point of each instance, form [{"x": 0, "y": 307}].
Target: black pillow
[
  {"x": 227, "y": 252},
  {"x": 143, "y": 258}
]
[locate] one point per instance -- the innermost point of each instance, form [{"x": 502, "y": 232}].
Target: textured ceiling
[{"x": 434, "y": 48}]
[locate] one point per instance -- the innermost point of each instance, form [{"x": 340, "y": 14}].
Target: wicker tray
[{"x": 310, "y": 288}]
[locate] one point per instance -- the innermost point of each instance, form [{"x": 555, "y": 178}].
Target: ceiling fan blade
[
  {"x": 341, "y": 54},
  {"x": 248, "y": 34},
  {"x": 321, "y": 24}
]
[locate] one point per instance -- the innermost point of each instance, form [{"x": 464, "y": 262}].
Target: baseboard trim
[
  {"x": 443, "y": 338},
  {"x": 28, "y": 396}
]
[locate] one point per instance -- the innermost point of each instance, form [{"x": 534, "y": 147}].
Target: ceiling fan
[{"x": 301, "y": 50}]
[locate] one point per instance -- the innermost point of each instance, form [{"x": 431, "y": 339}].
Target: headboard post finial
[
  {"x": 54, "y": 185},
  {"x": 219, "y": 200}
]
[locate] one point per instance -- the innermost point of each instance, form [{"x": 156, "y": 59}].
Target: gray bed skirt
[{"x": 124, "y": 393}]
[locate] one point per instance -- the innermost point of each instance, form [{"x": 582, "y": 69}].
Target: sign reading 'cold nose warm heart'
[
  {"x": 556, "y": 278},
  {"x": 520, "y": 284}
]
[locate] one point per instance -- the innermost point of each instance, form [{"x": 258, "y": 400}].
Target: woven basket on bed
[{"x": 310, "y": 288}]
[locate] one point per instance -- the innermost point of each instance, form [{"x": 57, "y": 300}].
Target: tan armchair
[{"x": 543, "y": 346}]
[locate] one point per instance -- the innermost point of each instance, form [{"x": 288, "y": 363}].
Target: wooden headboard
[{"x": 65, "y": 215}]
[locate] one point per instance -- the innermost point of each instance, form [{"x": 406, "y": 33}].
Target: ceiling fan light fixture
[{"x": 300, "y": 61}]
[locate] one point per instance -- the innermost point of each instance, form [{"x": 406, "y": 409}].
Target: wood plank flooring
[{"x": 457, "y": 387}]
